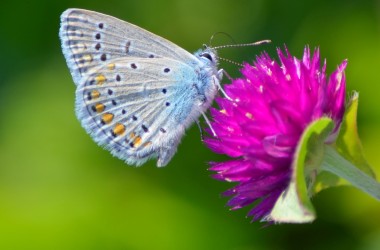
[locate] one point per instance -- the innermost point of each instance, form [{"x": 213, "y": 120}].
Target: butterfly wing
[
  {"x": 137, "y": 108},
  {"x": 89, "y": 38},
  {"x": 135, "y": 90}
]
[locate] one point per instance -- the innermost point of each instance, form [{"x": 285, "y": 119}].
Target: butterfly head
[{"x": 208, "y": 55}]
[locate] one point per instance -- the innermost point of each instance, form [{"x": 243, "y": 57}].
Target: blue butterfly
[{"x": 136, "y": 92}]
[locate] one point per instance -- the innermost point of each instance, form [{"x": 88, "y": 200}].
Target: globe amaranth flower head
[{"x": 272, "y": 104}]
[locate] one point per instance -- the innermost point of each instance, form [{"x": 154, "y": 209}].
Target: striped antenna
[
  {"x": 242, "y": 44},
  {"x": 230, "y": 61}
]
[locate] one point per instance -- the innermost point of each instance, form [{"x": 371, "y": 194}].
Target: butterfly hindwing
[{"x": 120, "y": 102}]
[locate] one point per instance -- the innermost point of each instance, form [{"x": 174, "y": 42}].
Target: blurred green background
[{"x": 59, "y": 190}]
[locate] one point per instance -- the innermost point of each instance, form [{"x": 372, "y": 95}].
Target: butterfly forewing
[{"x": 89, "y": 38}]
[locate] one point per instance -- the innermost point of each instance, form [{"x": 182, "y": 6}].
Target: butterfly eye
[{"x": 208, "y": 56}]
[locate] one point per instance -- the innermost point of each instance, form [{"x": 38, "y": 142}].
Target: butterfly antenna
[
  {"x": 220, "y": 32},
  {"x": 230, "y": 61},
  {"x": 242, "y": 44}
]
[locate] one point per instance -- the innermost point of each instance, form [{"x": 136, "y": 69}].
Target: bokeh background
[{"x": 59, "y": 190}]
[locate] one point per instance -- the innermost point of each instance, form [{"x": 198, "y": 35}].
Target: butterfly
[{"x": 136, "y": 92}]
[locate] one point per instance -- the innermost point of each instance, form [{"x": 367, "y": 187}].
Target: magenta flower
[{"x": 273, "y": 103}]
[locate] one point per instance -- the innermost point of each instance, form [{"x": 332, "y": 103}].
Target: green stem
[{"x": 335, "y": 163}]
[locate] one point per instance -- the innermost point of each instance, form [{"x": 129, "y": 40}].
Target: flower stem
[{"x": 335, "y": 163}]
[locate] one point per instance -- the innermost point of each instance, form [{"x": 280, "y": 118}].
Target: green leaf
[
  {"x": 338, "y": 165},
  {"x": 349, "y": 146},
  {"x": 348, "y": 142},
  {"x": 294, "y": 206}
]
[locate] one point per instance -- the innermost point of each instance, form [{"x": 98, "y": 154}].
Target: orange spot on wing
[
  {"x": 137, "y": 141},
  {"x": 95, "y": 94},
  {"x": 107, "y": 118},
  {"x": 111, "y": 66},
  {"x": 146, "y": 144},
  {"x": 88, "y": 58},
  {"x": 99, "y": 107},
  {"x": 100, "y": 79},
  {"x": 119, "y": 129},
  {"x": 132, "y": 135}
]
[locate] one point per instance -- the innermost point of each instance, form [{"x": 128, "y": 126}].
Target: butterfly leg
[
  {"x": 223, "y": 72},
  {"x": 209, "y": 125},
  {"x": 200, "y": 129},
  {"x": 217, "y": 82}
]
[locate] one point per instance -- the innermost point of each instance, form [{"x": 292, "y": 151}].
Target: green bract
[{"x": 318, "y": 165}]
